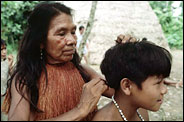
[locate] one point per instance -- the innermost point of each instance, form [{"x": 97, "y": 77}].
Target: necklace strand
[{"x": 121, "y": 113}]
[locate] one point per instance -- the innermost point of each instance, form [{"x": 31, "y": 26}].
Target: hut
[{"x": 117, "y": 17}]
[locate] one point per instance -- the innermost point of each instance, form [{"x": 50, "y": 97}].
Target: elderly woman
[{"x": 48, "y": 82}]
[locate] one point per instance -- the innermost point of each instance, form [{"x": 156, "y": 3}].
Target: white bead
[{"x": 121, "y": 113}]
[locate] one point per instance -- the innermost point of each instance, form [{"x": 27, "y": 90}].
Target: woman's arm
[
  {"x": 90, "y": 96},
  {"x": 73, "y": 115},
  {"x": 20, "y": 111},
  {"x": 110, "y": 91},
  {"x": 20, "y": 108}
]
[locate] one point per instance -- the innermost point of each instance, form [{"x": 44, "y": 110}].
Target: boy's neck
[{"x": 129, "y": 110}]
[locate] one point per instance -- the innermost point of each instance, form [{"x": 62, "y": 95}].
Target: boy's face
[
  {"x": 152, "y": 93},
  {"x": 3, "y": 51}
]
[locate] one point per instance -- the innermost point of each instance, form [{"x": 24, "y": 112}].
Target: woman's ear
[{"x": 126, "y": 86}]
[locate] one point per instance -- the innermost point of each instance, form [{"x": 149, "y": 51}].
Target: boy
[
  {"x": 4, "y": 58},
  {"x": 136, "y": 70},
  {"x": 86, "y": 47},
  {"x": 6, "y": 68},
  {"x": 128, "y": 38}
]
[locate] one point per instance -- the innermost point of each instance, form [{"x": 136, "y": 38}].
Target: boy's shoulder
[{"x": 102, "y": 114}]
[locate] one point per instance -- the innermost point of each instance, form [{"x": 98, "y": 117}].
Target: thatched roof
[{"x": 118, "y": 17}]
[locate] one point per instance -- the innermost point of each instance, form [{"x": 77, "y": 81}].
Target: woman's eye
[
  {"x": 61, "y": 34},
  {"x": 73, "y": 32}
]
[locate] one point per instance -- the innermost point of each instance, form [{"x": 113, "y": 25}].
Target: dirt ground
[{"x": 172, "y": 108}]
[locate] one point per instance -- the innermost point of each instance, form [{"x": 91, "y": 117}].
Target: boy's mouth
[
  {"x": 3, "y": 55},
  {"x": 160, "y": 101}
]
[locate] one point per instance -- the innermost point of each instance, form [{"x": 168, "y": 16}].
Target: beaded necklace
[{"x": 121, "y": 113}]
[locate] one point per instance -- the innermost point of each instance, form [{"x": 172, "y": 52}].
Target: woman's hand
[
  {"x": 91, "y": 94},
  {"x": 125, "y": 38},
  {"x": 93, "y": 75}
]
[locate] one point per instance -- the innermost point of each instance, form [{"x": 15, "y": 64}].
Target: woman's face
[{"x": 61, "y": 39}]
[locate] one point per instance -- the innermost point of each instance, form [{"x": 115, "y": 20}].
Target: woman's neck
[{"x": 56, "y": 64}]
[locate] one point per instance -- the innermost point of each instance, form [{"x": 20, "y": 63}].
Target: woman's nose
[{"x": 71, "y": 39}]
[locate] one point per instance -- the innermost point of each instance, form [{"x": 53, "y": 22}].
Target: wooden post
[{"x": 88, "y": 29}]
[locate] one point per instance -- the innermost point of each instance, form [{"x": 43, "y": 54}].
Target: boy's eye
[
  {"x": 3, "y": 48},
  {"x": 159, "y": 82}
]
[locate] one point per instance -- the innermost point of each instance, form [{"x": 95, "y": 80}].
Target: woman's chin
[
  {"x": 62, "y": 59},
  {"x": 68, "y": 58}
]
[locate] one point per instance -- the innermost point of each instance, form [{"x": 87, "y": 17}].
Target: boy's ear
[{"x": 126, "y": 86}]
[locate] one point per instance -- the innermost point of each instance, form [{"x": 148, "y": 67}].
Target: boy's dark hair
[
  {"x": 3, "y": 42},
  {"x": 81, "y": 27},
  {"x": 135, "y": 61}
]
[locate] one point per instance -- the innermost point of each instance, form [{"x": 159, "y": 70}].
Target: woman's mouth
[{"x": 69, "y": 52}]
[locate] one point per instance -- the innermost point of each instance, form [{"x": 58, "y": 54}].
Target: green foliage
[
  {"x": 171, "y": 25},
  {"x": 14, "y": 16}
]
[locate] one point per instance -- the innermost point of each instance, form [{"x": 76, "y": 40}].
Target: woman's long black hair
[{"x": 29, "y": 66}]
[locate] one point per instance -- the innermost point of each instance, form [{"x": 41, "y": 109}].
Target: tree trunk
[{"x": 88, "y": 29}]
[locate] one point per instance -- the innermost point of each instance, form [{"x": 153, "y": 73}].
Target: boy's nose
[
  {"x": 3, "y": 52},
  {"x": 164, "y": 89}
]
